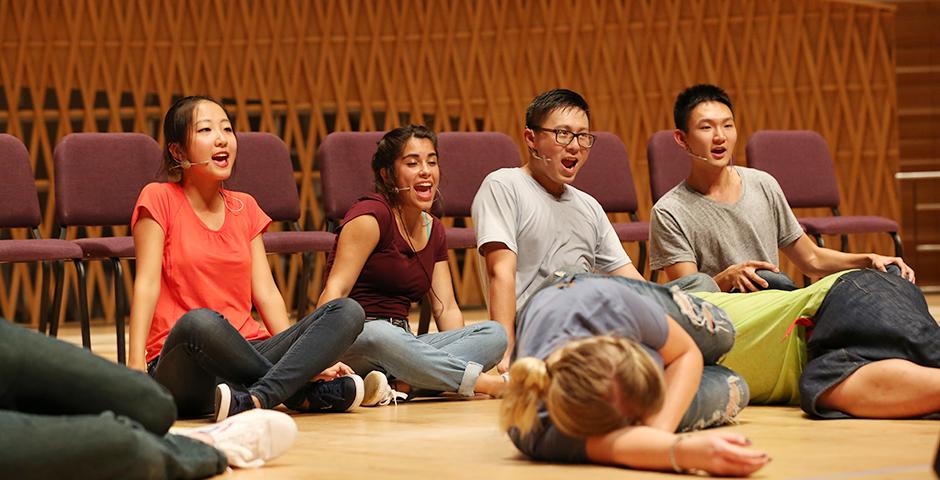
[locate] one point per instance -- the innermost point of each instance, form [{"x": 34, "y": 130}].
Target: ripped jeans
[{"x": 721, "y": 393}]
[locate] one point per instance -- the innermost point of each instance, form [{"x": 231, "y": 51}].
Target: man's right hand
[{"x": 743, "y": 276}]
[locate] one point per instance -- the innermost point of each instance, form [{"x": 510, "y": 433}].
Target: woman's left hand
[{"x": 337, "y": 370}]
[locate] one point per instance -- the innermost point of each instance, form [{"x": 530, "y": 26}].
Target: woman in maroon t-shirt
[{"x": 391, "y": 252}]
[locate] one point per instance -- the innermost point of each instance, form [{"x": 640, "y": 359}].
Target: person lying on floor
[
  {"x": 66, "y": 413},
  {"x": 602, "y": 374}
]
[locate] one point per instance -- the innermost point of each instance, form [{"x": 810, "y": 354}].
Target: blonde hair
[{"x": 590, "y": 387}]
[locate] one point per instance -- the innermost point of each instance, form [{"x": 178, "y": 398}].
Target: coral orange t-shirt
[{"x": 202, "y": 268}]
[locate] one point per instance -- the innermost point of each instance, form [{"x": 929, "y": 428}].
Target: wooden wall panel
[{"x": 302, "y": 69}]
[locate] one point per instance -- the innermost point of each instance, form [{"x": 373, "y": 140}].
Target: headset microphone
[
  {"x": 695, "y": 155},
  {"x": 186, "y": 163},
  {"x": 537, "y": 156},
  {"x": 402, "y": 189}
]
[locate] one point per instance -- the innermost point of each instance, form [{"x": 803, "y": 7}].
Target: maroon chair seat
[
  {"x": 800, "y": 162},
  {"x": 38, "y": 250},
  {"x": 609, "y": 179},
  {"x": 264, "y": 170},
  {"x": 20, "y": 209},
  {"x": 461, "y": 238},
  {"x": 298, "y": 241},
  {"x": 632, "y": 231},
  {"x": 98, "y": 177},
  {"x": 849, "y": 224},
  {"x": 668, "y": 163},
  {"x": 107, "y": 247}
]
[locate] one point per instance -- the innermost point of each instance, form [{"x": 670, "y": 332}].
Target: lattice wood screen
[{"x": 302, "y": 69}]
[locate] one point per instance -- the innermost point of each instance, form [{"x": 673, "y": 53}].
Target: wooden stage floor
[{"x": 453, "y": 439}]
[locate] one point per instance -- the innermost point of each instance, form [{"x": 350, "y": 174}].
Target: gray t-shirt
[
  {"x": 687, "y": 226},
  {"x": 545, "y": 232},
  {"x": 567, "y": 311}
]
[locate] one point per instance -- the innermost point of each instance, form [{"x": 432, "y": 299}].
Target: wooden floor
[{"x": 460, "y": 440}]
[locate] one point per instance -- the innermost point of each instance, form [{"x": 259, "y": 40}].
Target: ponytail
[{"x": 528, "y": 384}]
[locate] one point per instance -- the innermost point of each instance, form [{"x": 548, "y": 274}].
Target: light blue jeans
[{"x": 447, "y": 361}]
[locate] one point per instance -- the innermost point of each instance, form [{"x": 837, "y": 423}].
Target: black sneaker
[
  {"x": 341, "y": 394},
  {"x": 230, "y": 401}
]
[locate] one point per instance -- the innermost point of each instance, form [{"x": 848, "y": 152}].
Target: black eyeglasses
[{"x": 564, "y": 137}]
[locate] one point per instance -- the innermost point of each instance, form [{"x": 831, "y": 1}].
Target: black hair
[
  {"x": 545, "y": 103},
  {"x": 389, "y": 148},
  {"x": 178, "y": 129},
  {"x": 693, "y": 96}
]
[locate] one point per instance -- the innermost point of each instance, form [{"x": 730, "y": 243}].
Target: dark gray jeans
[
  {"x": 66, "y": 413},
  {"x": 203, "y": 349}
]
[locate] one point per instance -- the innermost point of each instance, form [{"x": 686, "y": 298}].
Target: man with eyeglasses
[{"x": 531, "y": 222}]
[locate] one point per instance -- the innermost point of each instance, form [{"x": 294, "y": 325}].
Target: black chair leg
[
  {"x": 424, "y": 321},
  {"x": 303, "y": 288},
  {"x": 82, "y": 305},
  {"x": 120, "y": 308},
  {"x": 898, "y": 247},
  {"x": 642, "y": 258},
  {"x": 58, "y": 276},
  {"x": 46, "y": 270},
  {"x": 654, "y": 276},
  {"x": 819, "y": 240}
]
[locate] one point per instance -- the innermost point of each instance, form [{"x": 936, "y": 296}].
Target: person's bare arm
[
  {"x": 444, "y": 306},
  {"x": 816, "y": 261},
  {"x": 148, "y": 245},
  {"x": 357, "y": 240},
  {"x": 629, "y": 270},
  {"x": 649, "y": 448},
  {"x": 683, "y": 371},
  {"x": 264, "y": 292},
  {"x": 501, "y": 273},
  {"x": 742, "y": 276}
]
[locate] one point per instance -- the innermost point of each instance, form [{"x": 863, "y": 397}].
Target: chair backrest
[
  {"x": 800, "y": 161},
  {"x": 668, "y": 163},
  {"x": 19, "y": 202},
  {"x": 466, "y": 158},
  {"x": 345, "y": 160},
  {"x": 607, "y": 176},
  {"x": 263, "y": 168},
  {"x": 98, "y": 176}
]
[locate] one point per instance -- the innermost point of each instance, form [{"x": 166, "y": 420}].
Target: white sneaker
[
  {"x": 250, "y": 438},
  {"x": 378, "y": 392}
]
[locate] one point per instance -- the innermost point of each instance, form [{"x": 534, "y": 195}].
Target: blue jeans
[
  {"x": 447, "y": 361},
  {"x": 721, "y": 393},
  {"x": 866, "y": 316},
  {"x": 204, "y": 349},
  {"x": 66, "y": 413}
]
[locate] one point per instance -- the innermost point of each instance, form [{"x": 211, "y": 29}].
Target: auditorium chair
[
  {"x": 20, "y": 202},
  {"x": 98, "y": 177},
  {"x": 263, "y": 168},
  {"x": 609, "y": 179},
  {"x": 800, "y": 162}
]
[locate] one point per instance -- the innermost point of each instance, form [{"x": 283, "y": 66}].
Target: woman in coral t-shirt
[{"x": 201, "y": 265}]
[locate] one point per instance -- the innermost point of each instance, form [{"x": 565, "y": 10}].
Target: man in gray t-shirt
[
  {"x": 727, "y": 221},
  {"x": 530, "y": 221},
  {"x": 690, "y": 227}
]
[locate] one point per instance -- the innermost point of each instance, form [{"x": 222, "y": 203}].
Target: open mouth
[
  {"x": 569, "y": 163},
  {"x": 424, "y": 190},
  {"x": 220, "y": 159},
  {"x": 719, "y": 152}
]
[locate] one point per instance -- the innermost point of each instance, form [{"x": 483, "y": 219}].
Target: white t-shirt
[{"x": 544, "y": 231}]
